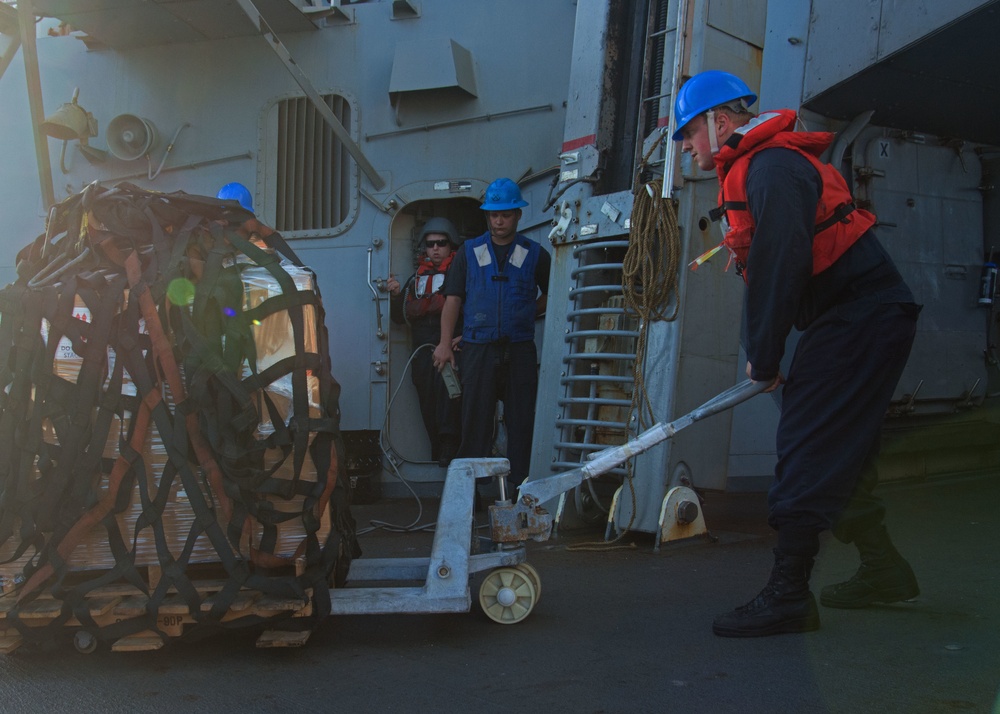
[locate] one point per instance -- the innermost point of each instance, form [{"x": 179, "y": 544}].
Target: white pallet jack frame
[
  {"x": 446, "y": 572},
  {"x": 511, "y": 588}
]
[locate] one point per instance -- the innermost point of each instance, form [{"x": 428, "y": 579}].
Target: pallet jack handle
[{"x": 545, "y": 489}]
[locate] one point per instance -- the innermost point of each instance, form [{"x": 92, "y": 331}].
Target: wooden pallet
[{"x": 110, "y": 604}]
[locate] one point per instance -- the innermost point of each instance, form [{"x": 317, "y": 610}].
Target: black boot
[
  {"x": 884, "y": 576},
  {"x": 784, "y": 605}
]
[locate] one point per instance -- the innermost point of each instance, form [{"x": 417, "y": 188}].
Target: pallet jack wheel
[
  {"x": 533, "y": 576},
  {"x": 507, "y": 595},
  {"x": 84, "y": 642}
]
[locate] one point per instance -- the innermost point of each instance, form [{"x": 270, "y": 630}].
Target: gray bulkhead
[
  {"x": 442, "y": 97},
  {"x": 445, "y": 98},
  {"x": 916, "y": 162}
]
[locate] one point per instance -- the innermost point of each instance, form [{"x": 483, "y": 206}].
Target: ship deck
[{"x": 619, "y": 629}]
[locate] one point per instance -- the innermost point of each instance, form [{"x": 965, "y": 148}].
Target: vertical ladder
[{"x": 597, "y": 377}]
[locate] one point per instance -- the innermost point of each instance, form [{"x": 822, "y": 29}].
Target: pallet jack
[
  {"x": 512, "y": 587},
  {"x": 508, "y": 592}
]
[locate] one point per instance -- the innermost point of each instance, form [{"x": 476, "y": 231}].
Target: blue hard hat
[
  {"x": 237, "y": 192},
  {"x": 502, "y": 195},
  {"x": 707, "y": 90}
]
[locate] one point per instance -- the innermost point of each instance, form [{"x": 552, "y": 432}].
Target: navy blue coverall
[
  {"x": 858, "y": 319},
  {"x": 502, "y": 370}
]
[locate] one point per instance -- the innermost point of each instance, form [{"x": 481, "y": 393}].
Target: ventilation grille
[{"x": 314, "y": 168}]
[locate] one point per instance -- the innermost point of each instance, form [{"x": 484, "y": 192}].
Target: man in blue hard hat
[
  {"x": 810, "y": 259},
  {"x": 499, "y": 282},
  {"x": 419, "y": 303}
]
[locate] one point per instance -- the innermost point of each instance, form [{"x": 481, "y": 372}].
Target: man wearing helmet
[
  {"x": 418, "y": 303},
  {"x": 810, "y": 259},
  {"x": 495, "y": 282}
]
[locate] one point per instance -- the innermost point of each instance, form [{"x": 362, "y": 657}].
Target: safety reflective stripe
[
  {"x": 518, "y": 256},
  {"x": 483, "y": 257},
  {"x": 428, "y": 284}
]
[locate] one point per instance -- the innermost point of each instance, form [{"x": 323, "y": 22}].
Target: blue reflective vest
[{"x": 500, "y": 300}]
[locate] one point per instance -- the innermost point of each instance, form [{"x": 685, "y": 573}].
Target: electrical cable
[
  {"x": 386, "y": 447},
  {"x": 390, "y": 458},
  {"x": 384, "y": 430},
  {"x": 170, "y": 147}
]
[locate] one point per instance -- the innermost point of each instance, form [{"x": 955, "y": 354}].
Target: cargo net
[{"x": 167, "y": 412}]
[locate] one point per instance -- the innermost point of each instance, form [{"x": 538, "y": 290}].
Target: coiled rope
[{"x": 649, "y": 271}]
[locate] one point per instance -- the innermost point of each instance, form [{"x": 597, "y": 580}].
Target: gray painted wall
[{"x": 549, "y": 55}]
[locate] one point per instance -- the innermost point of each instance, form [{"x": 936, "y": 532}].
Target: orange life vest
[
  {"x": 838, "y": 222},
  {"x": 425, "y": 298}
]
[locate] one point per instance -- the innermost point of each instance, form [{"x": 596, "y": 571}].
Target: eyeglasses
[{"x": 436, "y": 243}]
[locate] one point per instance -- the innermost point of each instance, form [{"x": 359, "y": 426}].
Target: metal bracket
[
  {"x": 558, "y": 232},
  {"x": 680, "y": 516},
  {"x": 517, "y": 522}
]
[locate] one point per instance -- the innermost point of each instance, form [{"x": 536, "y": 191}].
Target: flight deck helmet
[
  {"x": 237, "y": 192},
  {"x": 442, "y": 226},
  {"x": 707, "y": 90},
  {"x": 503, "y": 195}
]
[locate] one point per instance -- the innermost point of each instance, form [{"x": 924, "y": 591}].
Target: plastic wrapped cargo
[{"x": 166, "y": 403}]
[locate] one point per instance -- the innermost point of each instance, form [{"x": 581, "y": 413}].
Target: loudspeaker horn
[{"x": 130, "y": 137}]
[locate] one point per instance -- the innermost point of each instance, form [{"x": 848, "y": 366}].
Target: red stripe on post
[{"x": 577, "y": 143}]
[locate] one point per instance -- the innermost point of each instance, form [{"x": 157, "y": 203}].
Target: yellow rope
[
  {"x": 649, "y": 270},
  {"x": 600, "y": 546}
]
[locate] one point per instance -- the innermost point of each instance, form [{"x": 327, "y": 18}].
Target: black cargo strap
[
  {"x": 718, "y": 212},
  {"x": 839, "y": 215},
  {"x": 55, "y": 478}
]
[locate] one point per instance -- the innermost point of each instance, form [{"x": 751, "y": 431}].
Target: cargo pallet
[
  {"x": 111, "y": 604},
  {"x": 508, "y": 592}
]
